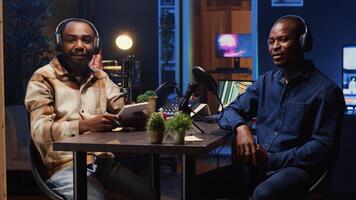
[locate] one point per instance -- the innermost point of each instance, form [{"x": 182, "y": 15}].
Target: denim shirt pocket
[{"x": 294, "y": 116}]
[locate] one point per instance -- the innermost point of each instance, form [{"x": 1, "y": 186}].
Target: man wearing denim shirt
[{"x": 299, "y": 113}]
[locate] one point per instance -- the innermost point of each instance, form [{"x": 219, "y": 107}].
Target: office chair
[{"x": 38, "y": 171}]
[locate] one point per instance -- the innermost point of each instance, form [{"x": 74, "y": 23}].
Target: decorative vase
[
  {"x": 178, "y": 138},
  {"x": 155, "y": 137}
]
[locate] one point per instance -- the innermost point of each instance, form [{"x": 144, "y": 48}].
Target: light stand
[
  {"x": 128, "y": 65},
  {"x": 113, "y": 69},
  {"x": 124, "y": 42}
]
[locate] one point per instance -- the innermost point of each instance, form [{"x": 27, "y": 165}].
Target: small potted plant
[
  {"x": 156, "y": 128},
  {"x": 178, "y": 125},
  {"x": 150, "y": 97},
  {"x": 145, "y": 96}
]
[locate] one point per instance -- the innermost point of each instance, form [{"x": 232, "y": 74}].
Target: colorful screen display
[
  {"x": 228, "y": 90},
  {"x": 349, "y": 78},
  {"x": 233, "y": 45}
]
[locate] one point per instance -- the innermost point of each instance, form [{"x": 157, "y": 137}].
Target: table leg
[
  {"x": 155, "y": 174},
  {"x": 188, "y": 174},
  {"x": 80, "y": 175}
]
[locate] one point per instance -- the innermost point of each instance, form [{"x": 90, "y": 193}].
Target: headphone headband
[
  {"x": 59, "y": 39},
  {"x": 79, "y": 20},
  {"x": 297, "y": 17}
]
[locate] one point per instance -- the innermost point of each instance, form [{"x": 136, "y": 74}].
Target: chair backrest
[
  {"x": 17, "y": 132},
  {"x": 39, "y": 172},
  {"x": 321, "y": 187}
]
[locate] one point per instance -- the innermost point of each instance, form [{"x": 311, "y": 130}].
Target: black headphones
[
  {"x": 58, "y": 34},
  {"x": 306, "y": 39}
]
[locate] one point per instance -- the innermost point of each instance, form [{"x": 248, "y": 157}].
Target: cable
[
  {"x": 217, "y": 153},
  {"x": 222, "y": 106}
]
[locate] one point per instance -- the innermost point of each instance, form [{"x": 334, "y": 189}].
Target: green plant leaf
[
  {"x": 156, "y": 123},
  {"x": 179, "y": 123}
]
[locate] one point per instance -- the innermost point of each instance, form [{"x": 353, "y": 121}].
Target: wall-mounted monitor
[
  {"x": 228, "y": 90},
  {"x": 233, "y": 45},
  {"x": 349, "y": 59},
  {"x": 349, "y": 77}
]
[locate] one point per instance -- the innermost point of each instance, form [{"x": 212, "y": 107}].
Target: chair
[
  {"x": 321, "y": 187},
  {"x": 17, "y": 132},
  {"x": 38, "y": 171},
  {"x": 317, "y": 191}
]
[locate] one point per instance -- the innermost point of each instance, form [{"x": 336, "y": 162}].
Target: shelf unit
[{"x": 168, "y": 41}]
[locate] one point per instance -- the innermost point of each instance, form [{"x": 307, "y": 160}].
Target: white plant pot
[{"x": 178, "y": 138}]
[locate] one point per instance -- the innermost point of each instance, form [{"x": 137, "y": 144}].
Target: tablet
[{"x": 128, "y": 110}]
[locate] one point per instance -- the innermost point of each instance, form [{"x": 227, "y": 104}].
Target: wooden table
[{"x": 137, "y": 142}]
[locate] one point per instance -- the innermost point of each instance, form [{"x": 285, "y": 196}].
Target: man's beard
[{"x": 72, "y": 66}]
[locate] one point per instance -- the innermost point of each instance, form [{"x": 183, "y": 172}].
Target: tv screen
[
  {"x": 233, "y": 45},
  {"x": 349, "y": 78},
  {"x": 228, "y": 90},
  {"x": 349, "y": 60}
]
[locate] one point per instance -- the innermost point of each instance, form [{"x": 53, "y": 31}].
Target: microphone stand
[
  {"x": 184, "y": 105},
  {"x": 188, "y": 111}
]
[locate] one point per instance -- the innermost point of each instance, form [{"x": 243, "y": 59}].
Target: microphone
[
  {"x": 127, "y": 72},
  {"x": 183, "y": 106}
]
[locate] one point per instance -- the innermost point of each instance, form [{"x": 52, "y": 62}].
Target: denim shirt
[{"x": 298, "y": 123}]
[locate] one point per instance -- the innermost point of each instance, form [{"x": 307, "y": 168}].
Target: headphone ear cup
[
  {"x": 305, "y": 40},
  {"x": 308, "y": 42},
  {"x": 96, "y": 46},
  {"x": 58, "y": 41},
  {"x": 302, "y": 42}
]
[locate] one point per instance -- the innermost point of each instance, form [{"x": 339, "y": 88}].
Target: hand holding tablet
[{"x": 128, "y": 110}]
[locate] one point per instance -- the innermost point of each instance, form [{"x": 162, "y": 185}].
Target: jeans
[
  {"x": 240, "y": 181},
  {"x": 106, "y": 179}
]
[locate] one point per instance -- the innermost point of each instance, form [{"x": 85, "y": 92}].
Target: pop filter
[{"x": 205, "y": 79}]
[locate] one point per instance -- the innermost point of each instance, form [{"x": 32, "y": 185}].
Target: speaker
[
  {"x": 306, "y": 39},
  {"x": 58, "y": 34}
]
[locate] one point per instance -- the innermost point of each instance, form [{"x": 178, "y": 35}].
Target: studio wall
[{"x": 137, "y": 18}]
